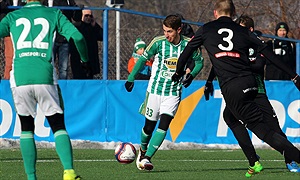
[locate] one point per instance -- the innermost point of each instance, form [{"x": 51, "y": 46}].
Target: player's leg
[
  {"x": 168, "y": 108},
  {"x": 51, "y": 103},
  {"x": 146, "y": 133},
  {"x": 263, "y": 132},
  {"x": 276, "y": 141},
  {"x": 155, "y": 142},
  {"x": 150, "y": 109},
  {"x": 271, "y": 120},
  {"x": 62, "y": 140},
  {"x": 27, "y": 146},
  {"x": 159, "y": 135},
  {"x": 63, "y": 145},
  {"x": 239, "y": 97},
  {"x": 25, "y": 105},
  {"x": 242, "y": 136}
]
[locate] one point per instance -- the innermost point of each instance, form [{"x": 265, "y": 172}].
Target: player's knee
[
  {"x": 149, "y": 126},
  {"x": 165, "y": 121},
  {"x": 56, "y": 122}
]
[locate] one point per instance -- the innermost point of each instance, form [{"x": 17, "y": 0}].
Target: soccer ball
[{"x": 125, "y": 153}]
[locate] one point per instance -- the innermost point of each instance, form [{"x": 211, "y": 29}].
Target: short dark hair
[
  {"x": 172, "y": 21},
  {"x": 246, "y": 21}
]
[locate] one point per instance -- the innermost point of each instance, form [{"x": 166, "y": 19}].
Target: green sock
[
  {"x": 64, "y": 148},
  {"x": 145, "y": 138},
  {"x": 28, "y": 150},
  {"x": 155, "y": 142}
]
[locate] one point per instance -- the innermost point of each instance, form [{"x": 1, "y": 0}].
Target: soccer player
[
  {"x": 227, "y": 44},
  {"x": 163, "y": 95},
  {"x": 33, "y": 78},
  {"x": 257, "y": 62}
]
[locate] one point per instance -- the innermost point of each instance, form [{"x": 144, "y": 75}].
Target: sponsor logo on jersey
[
  {"x": 166, "y": 74},
  {"x": 230, "y": 54},
  {"x": 170, "y": 63}
]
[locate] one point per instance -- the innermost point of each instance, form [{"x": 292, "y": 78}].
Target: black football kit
[{"x": 227, "y": 44}]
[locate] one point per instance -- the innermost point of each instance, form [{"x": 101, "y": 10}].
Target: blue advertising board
[{"x": 103, "y": 111}]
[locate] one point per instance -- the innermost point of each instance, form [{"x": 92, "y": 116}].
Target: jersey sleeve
[
  {"x": 64, "y": 26},
  {"x": 148, "y": 53},
  {"x": 267, "y": 51},
  {"x": 197, "y": 57},
  {"x": 81, "y": 45},
  {"x": 68, "y": 30},
  {"x": 188, "y": 51}
]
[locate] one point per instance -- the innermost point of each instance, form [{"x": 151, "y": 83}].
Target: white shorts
[
  {"x": 156, "y": 105},
  {"x": 48, "y": 97}
]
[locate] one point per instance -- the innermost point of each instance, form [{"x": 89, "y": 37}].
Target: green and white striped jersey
[
  {"x": 165, "y": 56},
  {"x": 32, "y": 29}
]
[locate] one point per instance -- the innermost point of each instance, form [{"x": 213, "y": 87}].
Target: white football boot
[
  {"x": 140, "y": 156},
  {"x": 145, "y": 164}
]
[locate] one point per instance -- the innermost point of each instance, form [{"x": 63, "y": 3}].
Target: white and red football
[{"x": 125, "y": 153}]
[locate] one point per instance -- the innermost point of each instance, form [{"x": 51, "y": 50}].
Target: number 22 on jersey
[{"x": 28, "y": 27}]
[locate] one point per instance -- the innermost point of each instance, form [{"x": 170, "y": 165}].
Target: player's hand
[
  {"x": 129, "y": 86},
  {"x": 188, "y": 80},
  {"x": 87, "y": 68},
  {"x": 209, "y": 89},
  {"x": 296, "y": 81},
  {"x": 176, "y": 77}
]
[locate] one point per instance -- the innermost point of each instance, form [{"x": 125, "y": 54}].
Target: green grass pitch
[{"x": 198, "y": 164}]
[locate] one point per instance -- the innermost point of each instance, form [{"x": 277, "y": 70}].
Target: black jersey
[{"x": 227, "y": 44}]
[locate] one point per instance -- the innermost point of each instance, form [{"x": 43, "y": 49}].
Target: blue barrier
[{"x": 103, "y": 111}]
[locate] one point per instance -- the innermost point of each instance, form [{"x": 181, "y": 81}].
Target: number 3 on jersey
[
  {"x": 226, "y": 39},
  {"x": 37, "y": 41}
]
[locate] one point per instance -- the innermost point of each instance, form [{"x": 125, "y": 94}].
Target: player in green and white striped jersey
[
  {"x": 33, "y": 78},
  {"x": 163, "y": 95}
]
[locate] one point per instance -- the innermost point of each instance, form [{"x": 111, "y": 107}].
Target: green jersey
[
  {"x": 165, "y": 58},
  {"x": 33, "y": 29}
]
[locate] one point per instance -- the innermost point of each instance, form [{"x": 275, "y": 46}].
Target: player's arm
[
  {"x": 269, "y": 55},
  {"x": 4, "y": 26},
  {"x": 193, "y": 45},
  {"x": 266, "y": 50},
  {"x": 148, "y": 53},
  {"x": 198, "y": 59},
  {"x": 137, "y": 67},
  {"x": 81, "y": 46},
  {"x": 68, "y": 30}
]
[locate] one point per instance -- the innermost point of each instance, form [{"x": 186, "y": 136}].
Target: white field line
[{"x": 110, "y": 160}]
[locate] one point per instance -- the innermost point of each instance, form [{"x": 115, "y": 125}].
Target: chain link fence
[{"x": 132, "y": 26}]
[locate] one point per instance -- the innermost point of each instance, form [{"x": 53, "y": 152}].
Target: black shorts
[{"x": 239, "y": 95}]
